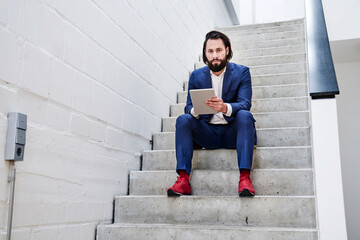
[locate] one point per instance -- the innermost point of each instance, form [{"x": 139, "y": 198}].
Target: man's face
[{"x": 216, "y": 53}]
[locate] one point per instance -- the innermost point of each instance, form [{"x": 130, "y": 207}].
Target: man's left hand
[{"x": 217, "y": 104}]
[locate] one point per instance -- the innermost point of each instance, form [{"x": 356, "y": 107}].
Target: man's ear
[{"x": 227, "y": 51}]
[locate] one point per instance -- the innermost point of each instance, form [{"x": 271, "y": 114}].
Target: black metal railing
[{"x": 322, "y": 77}]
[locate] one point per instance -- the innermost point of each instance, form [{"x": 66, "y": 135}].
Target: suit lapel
[
  {"x": 227, "y": 80},
  {"x": 207, "y": 83}
]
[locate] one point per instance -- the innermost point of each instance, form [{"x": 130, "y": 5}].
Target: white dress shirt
[{"x": 217, "y": 84}]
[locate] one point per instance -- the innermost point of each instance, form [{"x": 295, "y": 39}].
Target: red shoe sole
[
  {"x": 171, "y": 193},
  {"x": 246, "y": 193}
]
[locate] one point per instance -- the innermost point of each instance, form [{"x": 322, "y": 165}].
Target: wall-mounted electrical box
[{"x": 16, "y": 137}]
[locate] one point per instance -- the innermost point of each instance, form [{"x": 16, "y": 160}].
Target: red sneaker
[
  {"x": 181, "y": 187},
  {"x": 246, "y": 189}
]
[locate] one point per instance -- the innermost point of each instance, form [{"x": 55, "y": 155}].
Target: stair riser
[
  {"x": 226, "y": 159},
  {"x": 294, "y": 49},
  {"x": 298, "y": 212},
  {"x": 225, "y": 183},
  {"x": 265, "y": 120},
  {"x": 279, "y": 79},
  {"x": 235, "y": 33},
  {"x": 166, "y": 232},
  {"x": 270, "y": 80},
  {"x": 278, "y": 69},
  {"x": 267, "y": 44},
  {"x": 300, "y": 90},
  {"x": 263, "y": 25},
  {"x": 270, "y": 60},
  {"x": 294, "y": 58},
  {"x": 280, "y": 91},
  {"x": 261, "y": 105},
  {"x": 266, "y": 37},
  {"x": 266, "y": 138}
]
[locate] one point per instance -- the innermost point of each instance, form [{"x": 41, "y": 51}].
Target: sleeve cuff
[
  {"x": 229, "y": 110},
  {"x": 192, "y": 112}
]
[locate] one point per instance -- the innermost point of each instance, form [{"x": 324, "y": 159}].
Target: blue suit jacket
[{"x": 236, "y": 88}]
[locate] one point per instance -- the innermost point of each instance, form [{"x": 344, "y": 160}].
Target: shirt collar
[{"x": 221, "y": 75}]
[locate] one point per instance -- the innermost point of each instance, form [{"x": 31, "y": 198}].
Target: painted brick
[
  {"x": 48, "y": 182},
  {"x": 33, "y": 106},
  {"x": 100, "y": 102},
  {"x": 107, "y": 33},
  {"x": 3, "y": 213},
  {"x": 61, "y": 83},
  {"x": 52, "y": 32},
  {"x": 20, "y": 234},
  {"x": 127, "y": 122},
  {"x": 82, "y": 93},
  {"x": 7, "y": 99},
  {"x": 97, "y": 131},
  {"x": 80, "y": 125},
  {"x": 53, "y": 213},
  {"x": 69, "y": 232},
  {"x": 58, "y": 117},
  {"x": 3, "y": 11},
  {"x": 125, "y": 80},
  {"x": 45, "y": 233},
  {"x": 13, "y": 14},
  {"x": 70, "y": 9},
  {"x": 8, "y": 57},
  {"x": 74, "y": 47},
  {"x": 87, "y": 231},
  {"x": 29, "y": 20},
  {"x": 114, "y": 137},
  {"x": 115, "y": 110},
  {"x": 109, "y": 69},
  {"x": 93, "y": 59},
  {"x": 36, "y": 70},
  {"x": 22, "y": 209}
]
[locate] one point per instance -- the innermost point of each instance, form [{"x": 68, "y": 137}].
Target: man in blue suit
[{"x": 233, "y": 126}]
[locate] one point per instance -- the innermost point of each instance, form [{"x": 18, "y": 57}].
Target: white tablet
[{"x": 198, "y": 98}]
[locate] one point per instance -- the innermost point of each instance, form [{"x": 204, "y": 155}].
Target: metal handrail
[{"x": 322, "y": 77}]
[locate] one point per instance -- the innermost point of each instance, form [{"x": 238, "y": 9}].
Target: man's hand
[{"x": 217, "y": 104}]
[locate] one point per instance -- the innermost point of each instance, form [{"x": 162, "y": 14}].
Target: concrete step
[
  {"x": 289, "y": 182},
  {"x": 267, "y": 36},
  {"x": 268, "y": 137},
  {"x": 279, "y": 79},
  {"x": 264, "y": 52},
  {"x": 273, "y": 79},
  {"x": 263, "y": 120},
  {"x": 226, "y": 159},
  {"x": 269, "y": 60},
  {"x": 265, "y": 60},
  {"x": 261, "y": 105},
  {"x": 278, "y": 68},
  {"x": 199, "y": 232},
  {"x": 267, "y": 44},
  {"x": 259, "y": 211},
  {"x": 262, "y": 25},
  {"x": 239, "y": 32},
  {"x": 275, "y": 91},
  {"x": 280, "y": 91}
]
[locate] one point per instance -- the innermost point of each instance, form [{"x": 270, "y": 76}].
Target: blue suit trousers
[{"x": 239, "y": 134}]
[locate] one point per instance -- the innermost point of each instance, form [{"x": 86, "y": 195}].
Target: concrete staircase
[{"x": 284, "y": 205}]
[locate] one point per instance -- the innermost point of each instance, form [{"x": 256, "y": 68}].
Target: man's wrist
[{"x": 224, "y": 108}]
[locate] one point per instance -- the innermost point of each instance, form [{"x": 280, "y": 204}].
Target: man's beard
[{"x": 218, "y": 66}]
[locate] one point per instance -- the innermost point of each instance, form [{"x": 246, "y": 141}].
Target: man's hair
[{"x": 217, "y": 35}]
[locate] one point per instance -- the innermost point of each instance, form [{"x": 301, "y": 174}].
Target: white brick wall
[{"x": 95, "y": 78}]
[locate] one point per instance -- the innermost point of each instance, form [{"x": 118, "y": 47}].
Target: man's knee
[
  {"x": 243, "y": 116},
  {"x": 183, "y": 120}
]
